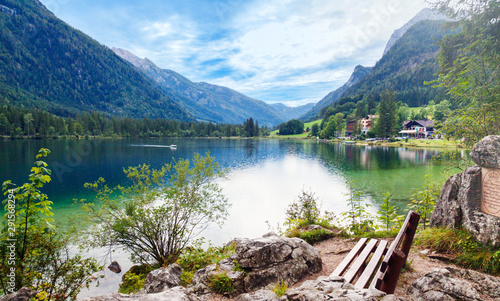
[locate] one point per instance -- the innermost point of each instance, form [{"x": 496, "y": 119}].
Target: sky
[{"x": 288, "y": 51}]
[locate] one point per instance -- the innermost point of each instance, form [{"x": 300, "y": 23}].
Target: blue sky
[{"x": 288, "y": 51}]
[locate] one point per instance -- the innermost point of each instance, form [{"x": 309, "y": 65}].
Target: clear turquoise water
[{"x": 264, "y": 176}]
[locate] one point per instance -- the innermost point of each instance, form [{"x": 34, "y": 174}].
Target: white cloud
[
  {"x": 258, "y": 46},
  {"x": 158, "y": 29}
]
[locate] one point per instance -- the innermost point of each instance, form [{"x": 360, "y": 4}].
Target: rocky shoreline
[{"x": 271, "y": 258}]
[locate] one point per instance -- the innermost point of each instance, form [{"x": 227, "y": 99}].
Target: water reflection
[{"x": 265, "y": 175}]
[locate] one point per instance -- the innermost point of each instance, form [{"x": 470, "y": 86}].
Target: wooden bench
[{"x": 370, "y": 264}]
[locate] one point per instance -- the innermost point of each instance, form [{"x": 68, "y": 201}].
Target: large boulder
[
  {"x": 23, "y": 294},
  {"x": 486, "y": 153},
  {"x": 258, "y": 263},
  {"x": 163, "y": 278},
  {"x": 459, "y": 204},
  {"x": 115, "y": 267},
  {"x": 323, "y": 288},
  {"x": 455, "y": 284}
]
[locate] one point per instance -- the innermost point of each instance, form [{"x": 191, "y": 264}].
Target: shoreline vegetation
[{"x": 410, "y": 143}]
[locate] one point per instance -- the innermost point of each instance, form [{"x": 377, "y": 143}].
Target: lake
[{"x": 264, "y": 175}]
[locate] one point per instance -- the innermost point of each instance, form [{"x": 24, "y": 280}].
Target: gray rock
[
  {"x": 486, "y": 153},
  {"x": 258, "y": 263},
  {"x": 21, "y": 295},
  {"x": 163, "y": 278},
  {"x": 323, "y": 288},
  {"x": 115, "y": 267},
  {"x": 174, "y": 294},
  {"x": 460, "y": 206},
  {"x": 439, "y": 285}
]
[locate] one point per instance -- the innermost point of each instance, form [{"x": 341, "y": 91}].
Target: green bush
[
  {"x": 186, "y": 278},
  {"x": 462, "y": 248},
  {"x": 193, "y": 259},
  {"x": 221, "y": 283},
  {"x": 133, "y": 279},
  {"x": 311, "y": 236},
  {"x": 280, "y": 288},
  {"x": 131, "y": 283}
]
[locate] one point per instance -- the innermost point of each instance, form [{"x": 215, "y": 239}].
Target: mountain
[
  {"x": 424, "y": 14},
  {"x": 288, "y": 113},
  {"x": 403, "y": 69},
  {"x": 203, "y": 100},
  {"x": 406, "y": 66},
  {"x": 358, "y": 74},
  {"x": 48, "y": 64}
]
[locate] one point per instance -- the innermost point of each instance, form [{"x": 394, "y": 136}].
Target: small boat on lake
[{"x": 173, "y": 146}]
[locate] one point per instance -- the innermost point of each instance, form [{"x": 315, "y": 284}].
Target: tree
[
  {"x": 4, "y": 124},
  {"x": 314, "y": 129},
  {"x": 387, "y": 123},
  {"x": 155, "y": 218},
  {"x": 424, "y": 200},
  {"x": 291, "y": 127},
  {"x": 28, "y": 119},
  {"x": 330, "y": 128},
  {"x": 470, "y": 69},
  {"x": 39, "y": 258}
]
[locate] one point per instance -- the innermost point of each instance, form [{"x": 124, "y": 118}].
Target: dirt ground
[{"x": 334, "y": 250}]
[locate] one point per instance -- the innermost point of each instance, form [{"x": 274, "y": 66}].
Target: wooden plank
[
  {"x": 372, "y": 266},
  {"x": 391, "y": 276},
  {"x": 360, "y": 261},
  {"x": 350, "y": 257},
  {"x": 410, "y": 226}
]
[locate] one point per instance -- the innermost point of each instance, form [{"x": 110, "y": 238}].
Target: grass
[
  {"x": 462, "y": 248},
  {"x": 221, "y": 283},
  {"x": 193, "y": 259},
  {"x": 280, "y": 288}
]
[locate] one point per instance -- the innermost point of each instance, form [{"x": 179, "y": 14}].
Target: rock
[
  {"x": 115, "y": 267},
  {"x": 485, "y": 284},
  {"x": 439, "y": 285},
  {"x": 323, "y": 288},
  {"x": 260, "y": 295},
  {"x": 258, "y": 263},
  {"x": 460, "y": 206},
  {"x": 174, "y": 294},
  {"x": 163, "y": 278},
  {"x": 23, "y": 294},
  {"x": 486, "y": 153}
]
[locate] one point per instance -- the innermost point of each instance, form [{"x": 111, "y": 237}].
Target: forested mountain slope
[{"x": 48, "y": 64}]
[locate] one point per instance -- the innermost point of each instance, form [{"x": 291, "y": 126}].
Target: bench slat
[
  {"x": 350, "y": 257},
  {"x": 372, "y": 265},
  {"x": 360, "y": 261}
]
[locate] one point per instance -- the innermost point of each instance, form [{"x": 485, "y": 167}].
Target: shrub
[
  {"x": 131, "y": 283},
  {"x": 133, "y": 280},
  {"x": 311, "y": 236},
  {"x": 221, "y": 283},
  {"x": 305, "y": 208},
  {"x": 280, "y": 288},
  {"x": 193, "y": 259},
  {"x": 186, "y": 278},
  {"x": 161, "y": 212}
]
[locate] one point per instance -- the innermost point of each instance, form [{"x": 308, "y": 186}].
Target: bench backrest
[{"x": 385, "y": 264}]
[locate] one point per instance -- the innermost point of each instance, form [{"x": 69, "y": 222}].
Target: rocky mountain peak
[{"x": 424, "y": 14}]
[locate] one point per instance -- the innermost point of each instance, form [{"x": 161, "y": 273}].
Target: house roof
[{"x": 425, "y": 123}]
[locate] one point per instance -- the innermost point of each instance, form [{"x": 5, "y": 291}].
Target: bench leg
[{"x": 395, "y": 265}]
